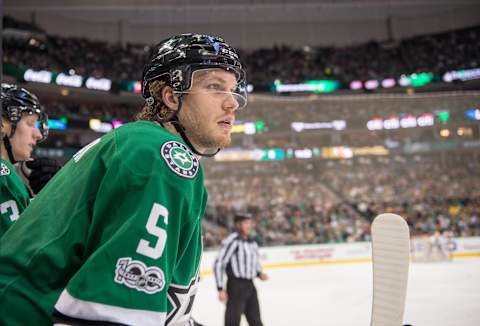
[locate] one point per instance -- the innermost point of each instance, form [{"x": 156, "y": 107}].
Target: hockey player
[
  {"x": 24, "y": 124},
  {"x": 117, "y": 237}
]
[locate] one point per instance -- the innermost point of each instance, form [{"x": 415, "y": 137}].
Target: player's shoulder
[
  {"x": 11, "y": 184},
  {"x": 6, "y": 169},
  {"x": 7, "y": 172},
  {"x": 143, "y": 134},
  {"x": 148, "y": 145}
]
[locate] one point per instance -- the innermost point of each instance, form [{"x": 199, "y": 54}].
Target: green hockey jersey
[
  {"x": 114, "y": 237},
  {"x": 14, "y": 196}
]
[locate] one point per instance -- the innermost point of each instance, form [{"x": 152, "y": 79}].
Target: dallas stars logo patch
[
  {"x": 5, "y": 170},
  {"x": 179, "y": 159}
]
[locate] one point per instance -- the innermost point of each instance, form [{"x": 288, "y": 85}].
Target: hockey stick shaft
[{"x": 391, "y": 258}]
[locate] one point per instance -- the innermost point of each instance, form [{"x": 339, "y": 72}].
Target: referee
[{"x": 238, "y": 258}]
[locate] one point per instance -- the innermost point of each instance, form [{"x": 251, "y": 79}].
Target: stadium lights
[
  {"x": 388, "y": 83},
  {"x": 303, "y": 153},
  {"x": 335, "y": 124},
  {"x": 100, "y": 126},
  {"x": 337, "y": 152},
  {"x": 463, "y": 75},
  {"x": 464, "y": 132},
  {"x": 248, "y": 128},
  {"x": 372, "y": 84},
  {"x": 273, "y": 154},
  {"x": 69, "y": 80},
  {"x": 101, "y": 84},
  {"x": 375, "y": 124},
  {"x": 404, "y": 81},
  {"x": 316, "y": 86},
  {"x": 425, "y": 120},
  {"x": 443, "y": 116},
  {"x": 473, "y": 114},
  {"x": 414, "y": 80},
  {"x": 117, "y": 123},
  {"x": 60, "y": 124},
  {"x": 409, "y": 121},
  {"x": 394, "y": 122},
  {"x": 239, "y": 154},
  {"x": 42, "y": 76},
  {"x": 444, "y": 132},
  {"x": 276, "y": 154},
  {"x": 391, "y": 123},
  {"x": 137, "y": 87},
  {"x": 356, "y": 85}
]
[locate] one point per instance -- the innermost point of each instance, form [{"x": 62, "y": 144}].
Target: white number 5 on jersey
[{"x": 153, "y": 249}]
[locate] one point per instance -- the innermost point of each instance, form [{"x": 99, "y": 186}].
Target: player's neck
[
  {"x": 174, "y": 131},
  {"x": 4, "y": 154},
  {"x": 171, "y": 128}
]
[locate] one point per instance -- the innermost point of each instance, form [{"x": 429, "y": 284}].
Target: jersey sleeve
[{"x": 144, "y": 225}]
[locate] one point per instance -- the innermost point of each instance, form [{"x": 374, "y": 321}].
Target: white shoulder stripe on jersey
[{"x": 81, "y": 309}]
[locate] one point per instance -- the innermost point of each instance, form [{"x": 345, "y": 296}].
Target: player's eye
[
  {"x": 31, "y": 122},
  {"x": 215, "y": 87}
]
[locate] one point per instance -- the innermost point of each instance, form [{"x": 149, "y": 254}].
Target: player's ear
[
  {"x": 170, "y": 98},
  {"x": 5, "y": 125}
]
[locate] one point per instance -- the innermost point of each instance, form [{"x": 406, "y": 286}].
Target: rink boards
[{"x": 342, "y": 253}]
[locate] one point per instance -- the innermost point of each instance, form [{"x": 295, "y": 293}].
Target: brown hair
[{"x": 158, "y": 109}]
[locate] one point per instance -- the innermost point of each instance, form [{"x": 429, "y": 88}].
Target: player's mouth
[{"x": 226, "y": 123}]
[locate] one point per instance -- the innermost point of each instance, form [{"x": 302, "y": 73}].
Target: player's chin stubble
[
  {"x": 208, "y": 139},
  {"x": 211, "y": 141}
]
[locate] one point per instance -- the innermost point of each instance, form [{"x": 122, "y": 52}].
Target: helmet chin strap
[
  {"x": 8, "y": 147},
  {"x": 181, "y": 129}
]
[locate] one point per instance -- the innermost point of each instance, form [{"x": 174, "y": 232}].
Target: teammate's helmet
[
  {"x": 175, "y": 59},
  {"x": 17, "y": 101}
]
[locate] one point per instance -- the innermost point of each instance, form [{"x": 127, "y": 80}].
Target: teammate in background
[
  {"x": 24, "y": 124},
  {"x": 117, "y": 234},
  {"x": 238, "y": 258}
]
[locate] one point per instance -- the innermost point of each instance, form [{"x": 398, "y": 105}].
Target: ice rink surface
[{"x": 439, "y": 294}]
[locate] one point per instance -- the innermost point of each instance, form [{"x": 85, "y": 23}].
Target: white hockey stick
[{"x": 391, "y": 258}]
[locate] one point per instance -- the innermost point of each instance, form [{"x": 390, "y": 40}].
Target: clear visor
[
  {"x": 42, "y": 120},
  {"x": 42, "y": 124},
  {"x": 221, "y": 85}
]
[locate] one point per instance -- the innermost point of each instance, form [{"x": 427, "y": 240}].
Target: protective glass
[{"x": 218, "y": 83}]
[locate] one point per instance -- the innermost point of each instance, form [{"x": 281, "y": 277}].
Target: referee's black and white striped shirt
[{"x": 238, "y": 258}]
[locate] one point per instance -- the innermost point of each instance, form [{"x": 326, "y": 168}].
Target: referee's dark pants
[{"x": 242, "y": 299}]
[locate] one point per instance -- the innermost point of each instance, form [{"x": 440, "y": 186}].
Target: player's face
[
  {"x": 25, "y": 138},
  {"x": 209, "y": 107}
]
